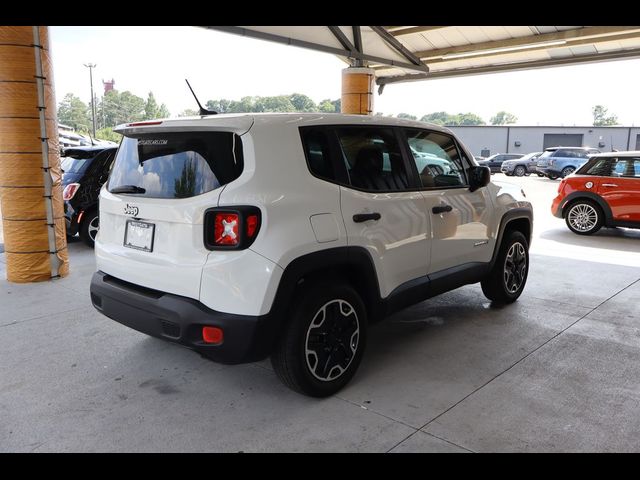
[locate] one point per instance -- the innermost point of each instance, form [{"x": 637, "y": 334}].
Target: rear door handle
[
  {"x": 363, "y": 217},
  {"x": 442, "y": 209},
  {"x": 609, "y": 185}
]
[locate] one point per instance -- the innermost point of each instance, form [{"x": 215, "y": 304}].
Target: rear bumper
[
  {"x": 556, "y": 206},
  {"x": 71, "y": 219},
  {"x": 180, "y": 320}
]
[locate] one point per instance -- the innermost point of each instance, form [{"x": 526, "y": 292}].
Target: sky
[{"x": 220, "y": 65}]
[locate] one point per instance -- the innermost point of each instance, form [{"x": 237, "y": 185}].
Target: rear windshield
[
  {"x": 73, "y": 165},
  {"x": 177, "y": 165}
]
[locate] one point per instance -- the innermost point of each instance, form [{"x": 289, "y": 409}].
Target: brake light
[
  {"x": 70, "y": 190},
  {"x": 142, "y": 124},
  {"x": 252, "y": 225},
  {"x": 226, "y": 229},
  {"x": 231, "y": 228}
]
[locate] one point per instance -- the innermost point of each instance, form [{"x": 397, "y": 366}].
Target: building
[{"x": 485, "y": 140}]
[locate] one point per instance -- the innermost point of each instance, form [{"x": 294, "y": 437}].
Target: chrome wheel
[
  {"x": 332, "y": 340},
  {"x": 583, "y": 217},
  {"x": 93, "y": 227},
  {"x": 520, "y": 171},
  {"x": 515, "y": 267}
]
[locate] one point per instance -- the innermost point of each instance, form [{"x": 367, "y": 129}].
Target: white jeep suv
[{"x": 244, "y": 236}]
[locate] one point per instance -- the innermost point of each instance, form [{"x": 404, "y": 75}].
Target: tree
[
  {"x": 406, "y": 116},
  {"x": 468, "y": 119},
  {"x": 122, "y": 107},
  {"x": 107, "y": 133},
  {"x": 220, "y": 106},
  {"x": 150, "y": 107},
  {"x": 503, "y": 118},
  {"x": 302, "y": 103},
  {"x": 327, "y": 106},
  {"x": 163, "y": 112},
  {"x": 74, "y": 112},
  {"x": 189, "y": 113},
  {"x": 439, "y": 118},
  {"x": 600, "y": 118}
]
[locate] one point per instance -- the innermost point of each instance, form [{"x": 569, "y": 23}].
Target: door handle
[
  {"x": 609, "y": 185},
  {"x": 442, "y": 209},
  {"x": 363, "y": 217}
]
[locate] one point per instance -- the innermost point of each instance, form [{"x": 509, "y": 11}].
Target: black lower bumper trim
[{"x": 180, "y": 320}]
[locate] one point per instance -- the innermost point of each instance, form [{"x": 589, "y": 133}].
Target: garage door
[{"x": 562, "y": 140}]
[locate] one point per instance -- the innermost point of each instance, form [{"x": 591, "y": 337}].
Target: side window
[
  {"x": 581, "y": 154},
  {"x": 626, "y": 167},
  {"x": 372, "y": 158},
  {"x": 316, "y": 148},
  {"x": 437, "y": 159},
  {"x": 602, "y": 168}
]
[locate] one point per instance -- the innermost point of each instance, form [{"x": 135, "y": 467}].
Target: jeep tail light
[
  {"x": 70, "y": 190},
  {"x": 232, "y": 228},
  {"x": 226, "y": 229}
]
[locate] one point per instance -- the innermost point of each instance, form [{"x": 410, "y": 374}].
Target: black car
[
  {"x": 85, "y": 169},
  {"x": 494, "y": 162}
]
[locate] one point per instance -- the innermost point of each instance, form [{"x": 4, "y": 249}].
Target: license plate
[{"x": 139, "y": 235}]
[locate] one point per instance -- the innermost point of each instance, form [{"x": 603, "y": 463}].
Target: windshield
[
  {"x": 546, "y": 154},
  {"x": 177, "y": 165}
]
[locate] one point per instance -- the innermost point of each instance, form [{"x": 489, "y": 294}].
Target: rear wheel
[
  {"x": 89, "y": 228},
  {"x": 519, "y": 171},
  {"x": 540, "y": 174},
  {"x": 321, "y": 347},
  {"x": 567, "y": 171},
  {"x": 584, "y": 217},
  {"x": 507, "y": 278},
  {"x": 552, "y": 177}
]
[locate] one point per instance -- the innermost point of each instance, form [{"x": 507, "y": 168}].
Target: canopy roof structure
[{"x": 408, "y": 53}]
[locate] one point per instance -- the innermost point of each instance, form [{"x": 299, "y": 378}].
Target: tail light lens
[
  {"x": 231, "y": 228},
  {"x": 69, "y": 191}
]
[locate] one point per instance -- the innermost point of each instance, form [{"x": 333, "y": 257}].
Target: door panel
[
  {"x": 397, "y": 241},
  {"x": 461, "y": 235},
  {"x": 621, "y": 190}
]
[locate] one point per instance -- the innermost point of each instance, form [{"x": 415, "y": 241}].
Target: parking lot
[{"x": 556, "y": 371}]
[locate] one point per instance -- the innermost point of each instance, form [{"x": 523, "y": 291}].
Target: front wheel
[
  {"x": 322, "y": 345},
  {"x": 552, "y": 177},
  {"x": 520, "y": 171},
  {"x": 507, "y": 278},
  {"x": 540, "y": 174},
  {"x": 584, "y": 217}
]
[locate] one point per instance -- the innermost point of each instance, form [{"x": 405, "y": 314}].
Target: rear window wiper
[{"x": 128, "y": 189}]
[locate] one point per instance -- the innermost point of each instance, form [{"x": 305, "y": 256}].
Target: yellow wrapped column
[
  {"x": 30, "y": 176},
  {"x": 357, "y": 90}
]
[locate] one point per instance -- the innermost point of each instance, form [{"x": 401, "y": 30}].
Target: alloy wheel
[
  {"x": 332, "y": 340},
  {"x": 515, "y": 266},
  {"x": 583, "y": 217}
]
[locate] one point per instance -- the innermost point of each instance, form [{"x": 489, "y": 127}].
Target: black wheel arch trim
[
  {"x": 509, "y": 217},
  {"x": 572, "y": 197}
]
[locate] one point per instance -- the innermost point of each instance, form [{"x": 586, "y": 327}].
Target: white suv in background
[{"x": 243, "y": 236}]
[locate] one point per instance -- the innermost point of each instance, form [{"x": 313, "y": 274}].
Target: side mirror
[{"x": 479, "y": 177}]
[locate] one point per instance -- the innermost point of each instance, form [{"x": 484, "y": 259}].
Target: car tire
[
  {"x": 89, "y": 227},
  {"x": 583, "y": 217},
  {"x": 552, "y": 177},
  {"x": 519, "y": 171},
  {"x": 313, "y": 356},
  {"x": 508, "y": 277},
  {"x": 566, "y": 171},
  {"x": 540, "y": 174}
]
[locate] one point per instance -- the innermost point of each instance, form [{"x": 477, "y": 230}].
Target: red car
[{"x": 604, "y": 192}]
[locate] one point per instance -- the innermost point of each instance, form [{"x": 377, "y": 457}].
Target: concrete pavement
[{"x": 556, "y": 371}]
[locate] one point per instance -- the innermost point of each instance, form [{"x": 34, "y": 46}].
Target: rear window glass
[
  {"x": 177, "y": 165},
  {"x": 73, "y": 165}
]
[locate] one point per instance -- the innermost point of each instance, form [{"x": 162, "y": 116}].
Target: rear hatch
[{"x": 152, "y": 207}]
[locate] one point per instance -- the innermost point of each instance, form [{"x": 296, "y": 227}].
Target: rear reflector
[
  {"x": 226, "y": 229},
  {"x": 212, "y": 335},
  {"x": 70, "y": 190},
  {"x": 252, "y": 225}
]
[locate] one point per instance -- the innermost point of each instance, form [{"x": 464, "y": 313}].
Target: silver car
[{"x": 521, "y": 166}]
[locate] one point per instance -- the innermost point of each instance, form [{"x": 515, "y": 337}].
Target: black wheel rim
[
  {"x": 515, "y": 268},
  {"x": 332, "y": 340}
]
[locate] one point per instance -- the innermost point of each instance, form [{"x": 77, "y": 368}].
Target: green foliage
[
  {"x": 150, "y": 107},
  {"x": 406, "y": 116},
  {"x": 107, "y": 133},
  {"x": 296, "y": 102},
  {"x": 302, "y": 103},
  {"x": 503, "y": 118},
  {"x": 188, "y": 113},
  {"x": 185, "y": 186},
  {"x": 75, "y": 113},
  {"x": 600, "y": 118},
  {"x": 117, "y": 108},
  {"x": 444, "y": 118}
]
